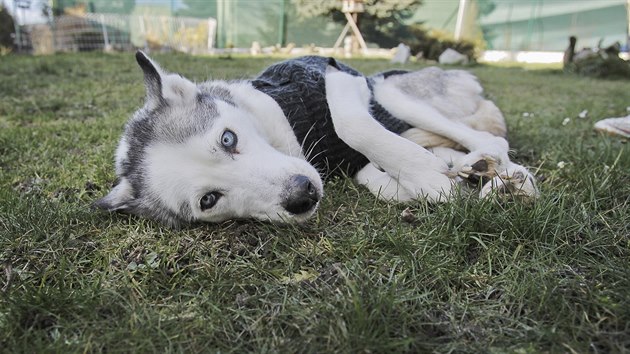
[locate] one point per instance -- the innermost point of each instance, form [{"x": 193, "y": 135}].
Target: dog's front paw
[
  {"x": 516, "y": 180},
  {"x": 440, "y": 189},
  {"x": 433, "y": 186}
]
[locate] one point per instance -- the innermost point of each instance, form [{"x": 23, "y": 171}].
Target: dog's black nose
[{"x": 302, "y": 195}]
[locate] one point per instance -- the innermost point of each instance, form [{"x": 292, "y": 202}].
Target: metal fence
[{"x": 107, "y": 32}]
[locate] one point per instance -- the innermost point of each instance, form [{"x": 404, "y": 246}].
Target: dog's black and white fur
[{"x": 259, "y": 148}]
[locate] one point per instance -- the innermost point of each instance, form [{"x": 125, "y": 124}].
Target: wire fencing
[{"x": 117, "y": 32}]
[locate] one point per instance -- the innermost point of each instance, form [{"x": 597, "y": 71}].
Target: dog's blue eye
[
  {"x": 209, "y": 200},
  {"x": 228, "y": 139}
]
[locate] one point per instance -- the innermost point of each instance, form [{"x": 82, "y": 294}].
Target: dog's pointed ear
[
  {"x": 152, "y": 76},
  {"x": 118, "y": 199},
  {"x": 163, "y": 86}
]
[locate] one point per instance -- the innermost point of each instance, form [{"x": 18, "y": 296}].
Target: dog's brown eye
[
  {"x": 209, "y": 200},
  {"x": 229, "y": 139}
]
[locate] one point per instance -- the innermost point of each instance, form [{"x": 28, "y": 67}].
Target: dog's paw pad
[
  {"x": 481, "y": 165},
  {"x": 486, "y": 167}
]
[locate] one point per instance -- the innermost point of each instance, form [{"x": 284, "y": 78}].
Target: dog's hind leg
[
  {"x": 488, "y": 154},
  {"x": 417, "y": 171}
]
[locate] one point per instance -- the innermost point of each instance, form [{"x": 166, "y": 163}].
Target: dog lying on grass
[{"x": 259, "y": 148}]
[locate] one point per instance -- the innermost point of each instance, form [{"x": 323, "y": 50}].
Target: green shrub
[
  {"x": 90, "y": 40},
  {"x": 432, "y": 43},
  {"x": 7, "y": 28},
  {"x": 604, "y": 63}
]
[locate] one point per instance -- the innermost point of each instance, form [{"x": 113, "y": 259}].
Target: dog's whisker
[
  {"x": 310, "y": 158},
  {"x": 308, "y": 132},
  {"x": 308, "y": 151}
]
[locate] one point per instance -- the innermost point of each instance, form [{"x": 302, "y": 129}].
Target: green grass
[{"x": 467, "y": 276}]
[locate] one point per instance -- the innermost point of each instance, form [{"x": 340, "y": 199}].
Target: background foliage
[
  {"x": 6, "y": 28},
  {"x": 383, "y": 21}
]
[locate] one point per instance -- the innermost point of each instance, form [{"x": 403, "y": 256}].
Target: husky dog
[{"x": 259, "y": 148}]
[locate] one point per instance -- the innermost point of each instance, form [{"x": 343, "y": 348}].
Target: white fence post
[
  {"x": 212, "y": 28},
  {"x": 143, "y": 32},
  {"x": 106, "y": 46}
]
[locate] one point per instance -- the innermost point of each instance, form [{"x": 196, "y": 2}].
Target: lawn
[{"x": 495, "y": 275}]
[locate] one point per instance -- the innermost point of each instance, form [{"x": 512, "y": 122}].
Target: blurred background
[{"x": 490, "y": 29}]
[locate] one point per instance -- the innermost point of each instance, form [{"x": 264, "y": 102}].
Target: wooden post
[
  {"x": 351, "y": 10},
  {"x": 459, "y": 25}
]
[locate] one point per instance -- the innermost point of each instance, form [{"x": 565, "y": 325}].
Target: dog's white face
[{"x": 192, "y": 154}]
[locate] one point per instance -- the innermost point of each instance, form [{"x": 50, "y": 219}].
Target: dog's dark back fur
[{"x": 298, "y": 86}]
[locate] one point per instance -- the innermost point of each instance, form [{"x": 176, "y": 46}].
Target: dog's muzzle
[{"x": 302, "y": 196}]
